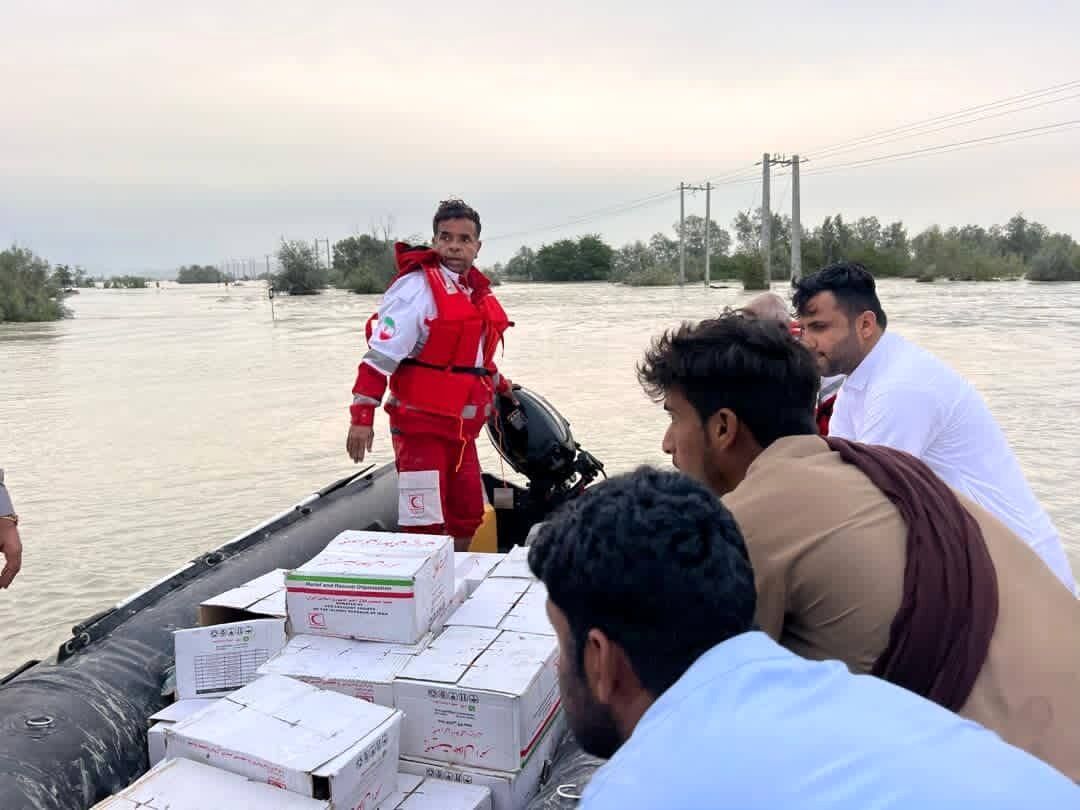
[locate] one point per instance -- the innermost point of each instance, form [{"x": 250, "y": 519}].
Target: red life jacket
[
  {"x": 824, "y": 413},
  {"x": 444, "y": 379}
]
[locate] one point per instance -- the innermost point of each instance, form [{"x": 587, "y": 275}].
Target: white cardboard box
[
  {"x": 170, "y": 715},
  {"x": 373, "y": 586},
  {"x": 506, "y": 604},
  {"x": 509, "y": 791},
  {"x": 261, "y": 598},
  {"x": 213, "y": 661},
  {"x": 515, "y": 564},
  {"x": 474, "y": 567},
  {"x": 294, "y": 736},
  {"x": 181, "y": 784},
  {"x": 360, "y": 669},
  {"x": 418, "y": 793},
  {"x": 478, "y": 696}
]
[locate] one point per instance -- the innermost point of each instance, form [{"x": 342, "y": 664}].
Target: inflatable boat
[{"x": 73, "y": 726}]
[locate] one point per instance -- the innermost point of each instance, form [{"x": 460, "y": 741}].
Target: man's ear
[
  {"x": 722, "y": 428},
  {"x": 865, "y": 324},
  {"x": 603, "y": 663}
]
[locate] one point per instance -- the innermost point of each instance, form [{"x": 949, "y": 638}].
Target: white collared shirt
[
  {"x": 751, "y": 725},
  {"x": 902, "y": 396}
]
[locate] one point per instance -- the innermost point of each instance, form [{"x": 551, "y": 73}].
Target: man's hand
[
  {"x": 11, "y": 548},
  {"x": 359, "y": 441},
  {"x": 509, "y": 394}
]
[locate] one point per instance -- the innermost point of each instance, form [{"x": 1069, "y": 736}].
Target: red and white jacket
[{"x": 434, "y": 338}]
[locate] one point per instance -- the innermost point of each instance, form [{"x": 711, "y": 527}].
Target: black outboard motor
[{"x": 536, "y": 441}]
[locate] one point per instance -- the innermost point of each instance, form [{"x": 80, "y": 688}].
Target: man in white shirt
[
  {"x": 898, "y": 394},
  {"x": 434, "y": 339},
  {"x": 770, "y": 306}
]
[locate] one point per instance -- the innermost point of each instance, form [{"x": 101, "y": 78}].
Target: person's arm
[
  {"x": 10, "y": 543},
  {"x": 905, "y": 418},
  {"x": 401, "y": 326},
  {"x": 768, "y": 557}
]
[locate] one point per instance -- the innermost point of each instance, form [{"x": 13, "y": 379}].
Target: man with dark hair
[
  {"x": 770, "y": 306},
  {"x": 661, "y": 669},
  {"x": 899, "y": 395},
  {"x": 434, "y": 337},
  {"x": 861, "y": 553}
]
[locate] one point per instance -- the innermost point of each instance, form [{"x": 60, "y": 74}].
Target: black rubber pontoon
[{"x": 73, "y": 732}]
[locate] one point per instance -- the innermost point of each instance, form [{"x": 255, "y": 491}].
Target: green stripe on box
[{"x": 349, "y": 580}]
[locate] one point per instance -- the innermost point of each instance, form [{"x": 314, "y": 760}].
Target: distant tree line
[
  {"x": 968, "y": 253},
  {"x": 200, "y": 274},
  {"x": 365, "y": 263},
  {"x": 29, "y": 290}
]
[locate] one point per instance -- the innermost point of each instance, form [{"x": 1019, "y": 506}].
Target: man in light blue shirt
[{"x": 661, "y": 672}]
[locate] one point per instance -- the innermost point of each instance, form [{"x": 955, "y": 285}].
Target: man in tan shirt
[{"x": 829, "y": 548}]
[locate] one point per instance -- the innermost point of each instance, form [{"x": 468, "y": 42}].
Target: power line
[
  {"x": 1002, "y": 137},
  {"x": 949, "y": 116},
  {"x": 581, "y": 219},
  {"x": 946, "y": 126},
  {"x": 989, "y": 140}
]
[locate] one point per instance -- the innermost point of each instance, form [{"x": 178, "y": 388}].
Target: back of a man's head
[
  {"x": 752, "y": 367},
  {"x": 654, "y": 561},
  {"x": 767, "y": 306},
  {"x": 850, "y": 283}
]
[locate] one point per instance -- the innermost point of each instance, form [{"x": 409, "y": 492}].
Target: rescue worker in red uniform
[{"x": 434, "y": 338}]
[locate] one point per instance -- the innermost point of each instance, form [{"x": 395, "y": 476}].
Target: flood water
[{"x": 159, "y": 423}]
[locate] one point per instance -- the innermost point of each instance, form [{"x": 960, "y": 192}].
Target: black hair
[
  {"x": 454, "y": 209},
  {"x": 654, "y": 561},
  {"x": 753, "y": 367},
  {"x": 850, "y": 282}
]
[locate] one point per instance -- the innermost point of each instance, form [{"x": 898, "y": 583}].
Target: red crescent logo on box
[
  {"x": 316, "y": 619},
  {"x": 416, "y": 504}
]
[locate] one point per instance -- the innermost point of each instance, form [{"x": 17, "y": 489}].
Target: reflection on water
[{"x": 159, "y": 423}]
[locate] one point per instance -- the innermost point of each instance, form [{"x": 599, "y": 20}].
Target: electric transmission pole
[
  {"x": 682, "y": 234},
  {"x": 683, "y": 188},
  {"x": 796, "y": 222},
  {"x": 766, "y": 217}
]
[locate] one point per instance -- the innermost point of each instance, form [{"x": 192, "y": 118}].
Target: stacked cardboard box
[
  {"x": 506, "y": 604},
  {"x": 361, "y": 669},
  {"x": 182, "y": 784},
  {"x": 385, "y": 672},
  {"x": 277, "y": 730},
  {"x": 373, "y": 586}
]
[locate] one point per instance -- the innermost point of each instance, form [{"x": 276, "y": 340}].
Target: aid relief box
[
  {"x": 360, "y": 669},
  {"x": 373, "y": 586},
  {"x": 473, "y": 567},
  {"x": 261, "y": 598},
  {"x": 213, "y": 661},
  {"x": 478, "y": 696},
  {"x": 417, "y": 793},
  {"x": 509, "y": 790},
  {"x": 170, "y": 715},
  {"x": 181, "y": 784},
  {"x": 506, "y": 604},
  {"x": 515, "y": 565},
  {"x": 291, "y": 735}
]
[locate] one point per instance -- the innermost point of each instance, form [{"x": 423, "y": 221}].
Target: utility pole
[
  {"x": 708, "y": 194},
  {"x": 682, "y": 234},
  {"x": 796, "y": 222},
  {"x": 683, "y": 188},
  {"x": 766, "y": 217}
]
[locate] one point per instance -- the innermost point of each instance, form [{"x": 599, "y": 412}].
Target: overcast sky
[{"x": 138, "y": 136}]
